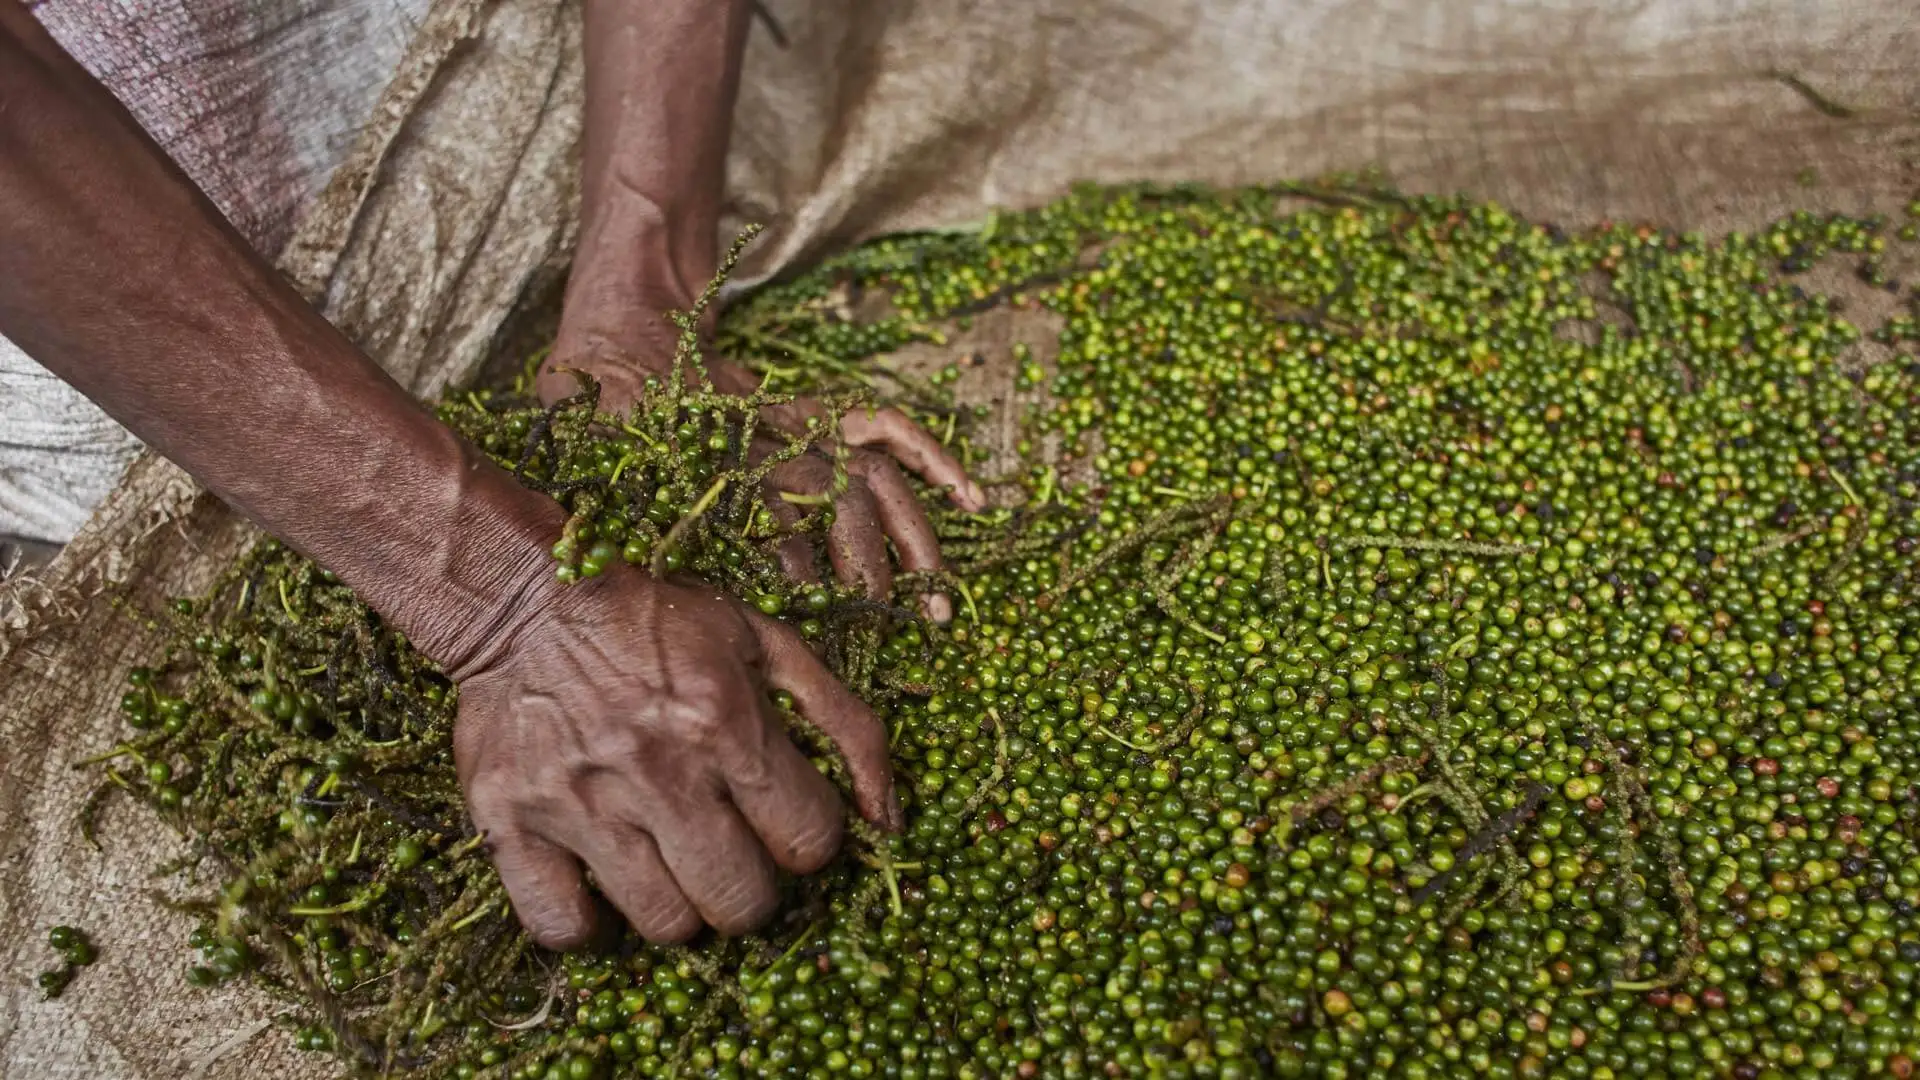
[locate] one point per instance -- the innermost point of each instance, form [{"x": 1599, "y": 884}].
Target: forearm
[
  {"x": 120, "y": 277},
  {"x": 661, "y": 80}
]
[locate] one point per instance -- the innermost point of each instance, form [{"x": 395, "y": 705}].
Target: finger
[
  {"x": 789, "y": 804},
  {"x": 552, "y": 384},
  {"x": 794, "y": 552},
  {"x": 719, "y": 864},
  {"x": 856, "y": 545},
  {"x": 905, "y": 521},
  {"x": 620, "y": 384},
  {"x": 730, "y": 378},
  {"x": 796, "y": 560},
  {"x": 543, "y": 881},
  {"x": 626, "y": 864},
  {"x": 764, "y": 446},
  {"x": 844, "y": 718},
  {"x": 916, "y": 448},
  {"x": 792, "y": 417}
]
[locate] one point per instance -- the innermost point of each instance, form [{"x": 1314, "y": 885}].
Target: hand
[
  {"x": 878, "y": 504},
  {"x": 627, "y": 725}
]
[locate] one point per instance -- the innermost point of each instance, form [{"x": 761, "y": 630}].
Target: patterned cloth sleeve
[{"x": 257, "y": 100}]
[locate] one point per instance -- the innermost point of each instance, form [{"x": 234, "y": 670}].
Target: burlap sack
[{"x": 452, "y": 221}]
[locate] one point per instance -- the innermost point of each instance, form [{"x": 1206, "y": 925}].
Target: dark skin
[
  {"x": 621, "y": 725},
  {"x": 649, "y": 235}
]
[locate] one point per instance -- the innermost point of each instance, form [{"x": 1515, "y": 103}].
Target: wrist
[
  {"x": 618, "y": 327},
  {"x": 470, "y": 565},
  {"x": 640, "y": 260}
]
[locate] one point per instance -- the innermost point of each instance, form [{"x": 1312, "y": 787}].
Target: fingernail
[
  {"x": 976, "y": 497},
  {"x": 938, "y": 608}
]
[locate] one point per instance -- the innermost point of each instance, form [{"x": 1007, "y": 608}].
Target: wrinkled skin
[{"x": 627, "y": 726}]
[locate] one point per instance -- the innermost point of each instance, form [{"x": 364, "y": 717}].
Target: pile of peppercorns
[{"x": 1469, "y": 647}]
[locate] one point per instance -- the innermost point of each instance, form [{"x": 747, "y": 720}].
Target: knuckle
[
  {"x": 751, "y": 772},
  {"x": 560, "y": 939},
  {"x": 783, "y": 512},
  {"x": 667, "y": 923},
  {"x": 797, "y": 556},
  {"x": 700, "y": 721},
  {"x": 550, "y": 784},
  {"x": 814, "y": 848},
  {"x": 491, "y": 806},
  {"x": 557, "y": 926},
  {"x": 745, "y": 643},
  {"x": 861, "y": 737},
  {"x": 869, "y": 424},
  {"x": 808, "y": 472},
  {"x": 746, "y": 907},
  {"x": 877, "y": 470},
  {"x": 705, "y": 680},
  {"x": 777, "y": 641},
  {"x": 857, "y": 502},
  {"x": 605, "y": 744}
]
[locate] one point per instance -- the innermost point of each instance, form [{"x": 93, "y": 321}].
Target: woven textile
[{"x": 257, "y": 102}]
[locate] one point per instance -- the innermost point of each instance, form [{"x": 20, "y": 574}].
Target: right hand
[
  {"x": 625, "y": 724},
  {"x": 878, "y": 504}
]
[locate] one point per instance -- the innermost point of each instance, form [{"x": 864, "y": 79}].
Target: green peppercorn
[
  {"x": 407, "y": 853},
  {"x": 54, "y": 983}
]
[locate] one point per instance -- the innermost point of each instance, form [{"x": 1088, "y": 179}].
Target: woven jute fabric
[{"x": 451, "y": 211}]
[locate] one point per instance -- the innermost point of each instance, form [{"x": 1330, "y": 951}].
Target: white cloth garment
[{"x": 257, "y": 100}]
